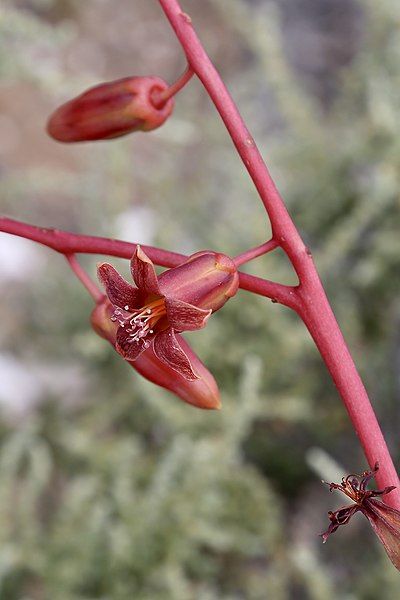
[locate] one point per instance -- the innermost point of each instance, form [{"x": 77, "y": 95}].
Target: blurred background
[{"x": 111, "y": 488}]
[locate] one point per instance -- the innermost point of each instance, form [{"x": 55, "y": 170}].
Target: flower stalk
[
  {"x": 308, "y": 298},
  {"x": 312, "y": 304},
  {"x": 255, "y": 252},
  {"x": 84, "y": 277},
  {"x": 66, "y": 242},
  {"x": 159, "y": 98}
]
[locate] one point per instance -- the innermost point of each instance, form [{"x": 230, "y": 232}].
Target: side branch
[
  {"x": 253, "y": 253},
  {"x": 84, "y": 278},
  {"x": 68, "y": 243}
]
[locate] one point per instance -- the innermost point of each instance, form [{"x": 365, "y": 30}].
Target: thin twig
[
  {"x": 253, "y": 253},
  {"x": 160, "y": 98},
  {"x": 84, "y": 278},
  {"x": 66, "y": 242}
]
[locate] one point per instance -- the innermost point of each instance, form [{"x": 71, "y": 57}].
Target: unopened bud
[
  {"x": 206, "y": 280},
  {"x": 110, "y": 110}
]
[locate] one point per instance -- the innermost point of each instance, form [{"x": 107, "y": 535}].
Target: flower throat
[{"x": 141, "y": 322}]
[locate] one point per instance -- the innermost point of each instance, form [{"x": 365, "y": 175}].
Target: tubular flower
[
  {"x": 110, "y": 110},
  {"x": 384, "y": 520},
  {"x": 180, "y": 299},
  {"x": 202, "y": 392}
]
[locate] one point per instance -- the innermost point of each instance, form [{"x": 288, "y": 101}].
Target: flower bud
[
  {"x": 202, "y": 392},
  {"x": 110, "y": 110},
  {"x": 206, "y": 280}
]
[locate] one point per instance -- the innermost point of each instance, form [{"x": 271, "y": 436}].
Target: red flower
[
  {"x": 111, "y": 110},
  {"x": 201, "y": 392},
  {"x": 384, "y": 520},
  {"x": 180, "y": 299}
]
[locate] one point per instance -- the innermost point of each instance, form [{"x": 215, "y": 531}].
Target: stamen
[{"x": 140, "y": 322}]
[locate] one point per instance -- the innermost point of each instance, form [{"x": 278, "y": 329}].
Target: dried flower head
[{"x": 384, "y": 519}]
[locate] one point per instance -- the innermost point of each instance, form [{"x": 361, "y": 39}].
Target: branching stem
[
  {"x": 69, "y": 243},
  {"x": 160, "y": 98},
  {"x": 308, "y": 299},
  {"x": 84, "y": 278},
  {"x": 252, "y": 253},
  {"x": 312, "y": 304}
]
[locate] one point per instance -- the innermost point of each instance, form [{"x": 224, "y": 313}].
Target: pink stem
[
  {"x": 320, "y": 320},
  {"x": 252, "y": 253},
  {"x": 84, "y": 278},
  {"x": 313, "y": 305},
  {"x": 66, "y": 242},
  {"x": 160, "y": 98}
]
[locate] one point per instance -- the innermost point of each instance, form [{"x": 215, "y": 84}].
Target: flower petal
[
  {"x": 128, "y": 348},
  {"x": 168, "y": 350},
  {"x": 385, "y": 521},
  {"x": 143, "y": 273},
  {"x": 339, "y": 517},
  {"x": 185, "y": 317},
  {"x": 202, "y": 392},
  {"x": 119, "y": 291}
]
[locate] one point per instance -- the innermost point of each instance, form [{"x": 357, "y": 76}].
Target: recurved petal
[
  {"x": 143, "y": 272},
  {"x": 119, "y": 291},
  {"x": 169, "y": 351},
  {"x": 385, "y": 521},
  {"x": 185, "y": 317},
  {"x": 128, "y": 348},
  {"x": 339, "y": 517}
]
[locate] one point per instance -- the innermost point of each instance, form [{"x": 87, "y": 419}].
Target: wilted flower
[
  {"x": 384, "y": 520},
  {"x": 180, "y": 299},
  {"x": 110, "y": 110},
  {"x": 201, "y": 392}
]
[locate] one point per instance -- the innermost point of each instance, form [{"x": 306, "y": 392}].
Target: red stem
[
  {"x": 69, "y": 243},
  {"x": 160, "y": 98},
  {"x": 84, "y": 278},
  {"x": 313, "y": 305},
  {"x": 245, "y": 257},
  {"x": 308, "y": 299}
]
